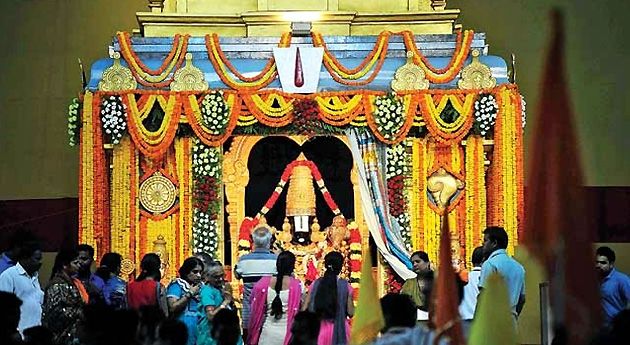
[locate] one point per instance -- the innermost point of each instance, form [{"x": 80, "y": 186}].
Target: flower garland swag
[
  {"x": 209, "y": 124},
  {"x": 450, "y": 71},
  {"x": 222, "y": 65},
  {"x": 153, "y": 144},
  {"x": 74, "y": 122},
  {"x": 146, "y": 76},
  {"x": 398, "y": 173},
  {"x": 375, "y": 59},
  {"x": 206, "y": 167}
]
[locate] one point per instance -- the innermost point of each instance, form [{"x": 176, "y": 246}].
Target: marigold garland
[
  {"x": 144, "y": 75},
  {"x": 342, "y": 74},
  {"x": 450, "y": 71},
  {"x": 120, "y": 196},
  {"x": 447, "y": 134},
  {"x": 475, "y": 194},
  {"x": 222, "y": 65},
  {"x": 153, "y": 144}
]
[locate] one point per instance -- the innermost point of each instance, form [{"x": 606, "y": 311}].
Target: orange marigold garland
[
  {"x": 143, "y": 74},
  {"x": 450, "y": 71},
  {"x": 153, "y": 144}
]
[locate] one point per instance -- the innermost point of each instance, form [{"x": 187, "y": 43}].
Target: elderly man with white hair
[{"x": 255, "y": 265}]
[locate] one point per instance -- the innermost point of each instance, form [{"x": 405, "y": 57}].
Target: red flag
[
  {"x": 556, "y": 228},
  {"x": 446, "y": 314}
]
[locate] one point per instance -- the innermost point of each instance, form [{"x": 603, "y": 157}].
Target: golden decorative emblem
[
  {"x": 443, "y": 186},
  {"x": 409, "y": 76},
  {"x": 189, "y": 78},
  {"x": 157, "y": 193},
  {"x": 476, "y": 75},
  {"x": 117, "y": 77},
  {"x": 126, "y": 267}
]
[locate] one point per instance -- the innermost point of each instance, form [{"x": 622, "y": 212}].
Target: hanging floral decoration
[
  {"x": 523, "y": 114},
  {"x": 114, "y": 118},
  {"x": 306, "y": 117},
  {"x": 398, "y": 175},
  {"x": 393, "y": 282},
  {"x": 355, "y": 254},
  {"x": 207, "y": 198},
  {"x": 485, "y": 114},
  {"x": 74, "y": 122},
  {"x": 215, "y": 113},
  {"x": 388, "y": 115}
]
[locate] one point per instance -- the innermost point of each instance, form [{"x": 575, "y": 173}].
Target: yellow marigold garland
[
  {"x": 120, "y": 196},
  {"x": 475, "y": 194},
  {"x": 153, "y": 144},
  {"x": 184, "y": 174},
  {"x": 445, "y": 133}
]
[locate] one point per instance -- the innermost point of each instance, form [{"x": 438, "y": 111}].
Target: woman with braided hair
[
  {"x": 274, "y": 303},
  {"x": 331, "y": 299}
]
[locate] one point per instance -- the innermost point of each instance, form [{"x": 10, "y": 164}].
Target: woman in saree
[
  {"x": 183, "y": 299},
  {"x": 64, "y": 299},
  {"x": 274, "y": 302},
  {"x": 330, "y": 297}
]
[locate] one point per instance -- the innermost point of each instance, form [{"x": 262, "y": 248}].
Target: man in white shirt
[
  {"x": 471, "y": 291},
  {"x": 23, "y": 281}
]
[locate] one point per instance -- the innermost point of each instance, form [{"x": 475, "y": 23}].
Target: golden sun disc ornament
[{"x": 157, "y": 194}]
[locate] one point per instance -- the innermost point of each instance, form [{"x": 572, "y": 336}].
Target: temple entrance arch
[{"x": 237, "y": 176}]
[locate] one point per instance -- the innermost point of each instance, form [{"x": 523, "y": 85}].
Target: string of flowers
[
  {"x": 397, "y": 174},
  {"x": 523, "y": 114},
  {"x": 207, "y": 200},
  {"x": 114, "y": 118},
  {"x": 74, "y": 122},
  {"x": 215, "y": 113},
  {"x": 355, "y": 254},
  {"x": 485, "y": 114}
]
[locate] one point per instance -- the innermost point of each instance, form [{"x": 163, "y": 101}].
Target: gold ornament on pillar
[{"x": 159, "y": 248}]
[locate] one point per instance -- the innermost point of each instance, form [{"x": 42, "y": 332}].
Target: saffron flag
[
  {"x": 445, "y": 311},
  {"x": 493, "y": 323},
  {"x": 556, "y": 231},
  {"x": 368, "y": 319}
]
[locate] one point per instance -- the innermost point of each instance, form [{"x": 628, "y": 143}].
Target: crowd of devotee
[{"x": 86, "y": 306}]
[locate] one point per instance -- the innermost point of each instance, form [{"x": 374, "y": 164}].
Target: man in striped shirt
[{"x": 253, "y": 266}]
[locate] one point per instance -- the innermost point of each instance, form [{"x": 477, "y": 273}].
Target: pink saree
[{"x": 258, "y": 306}]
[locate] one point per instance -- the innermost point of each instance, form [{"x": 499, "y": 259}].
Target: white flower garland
[
  {"x": 114, "y": 118},
  {"x": 523, "y": 113},
  {"x": 486, "y": 109},
  {"x": 74, "y": 123},
  {"x": 215, "y": 113},
  {"x": 206, "y": 162},
  {"x": 389, "y": 115},
  {"x": 398, "y": 163},
  {"x": 204, "y": 233}
]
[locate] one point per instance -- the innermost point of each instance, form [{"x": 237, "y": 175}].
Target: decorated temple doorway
[{"x": 303, "y": 188}]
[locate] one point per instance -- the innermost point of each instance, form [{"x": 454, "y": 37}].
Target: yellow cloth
[
  {"x": 368, "y": 319},
  {"x": 494, "y": 323},
  {"x": 411, "y": 288}
]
